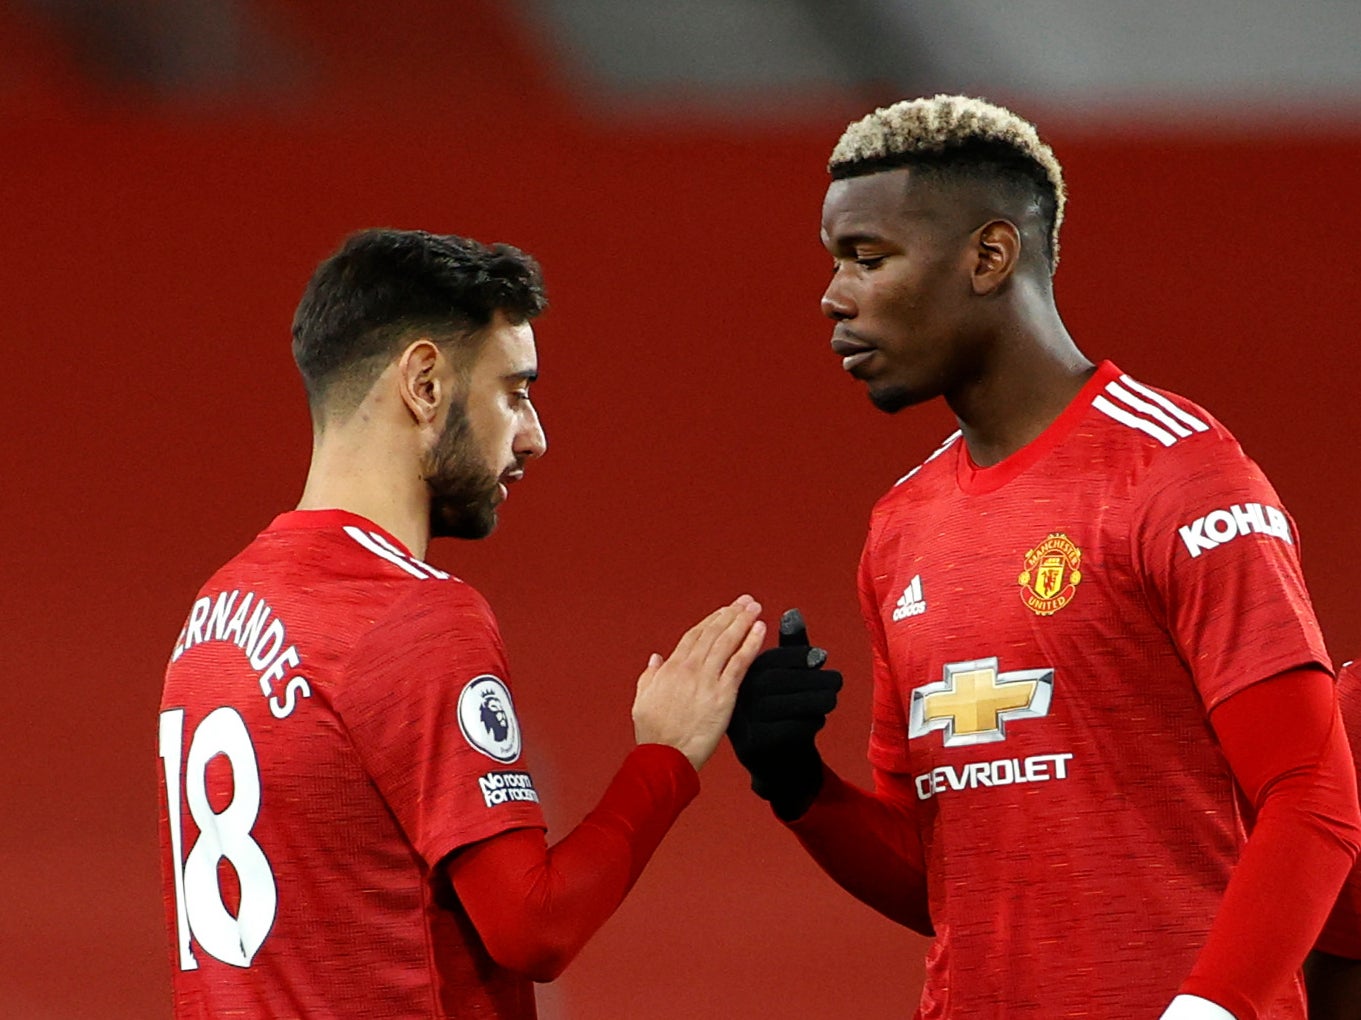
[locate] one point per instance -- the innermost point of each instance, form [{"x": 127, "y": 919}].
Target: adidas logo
[{"x": 911, "y": 603}]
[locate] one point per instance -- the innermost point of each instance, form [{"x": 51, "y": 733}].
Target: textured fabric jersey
[
  {"x": 1341, "y": 936},
  {"x": 1049, "y": 635},
  {"x": 336, "y": 720}
]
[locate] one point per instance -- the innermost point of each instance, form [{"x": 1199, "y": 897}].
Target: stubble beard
[
  {"x": 462, "y": 488},
  {"x": 892, "y": 399}
]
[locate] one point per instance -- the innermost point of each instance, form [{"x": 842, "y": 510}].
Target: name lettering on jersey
[
  {"x": 1038, "y": 768},
  {"x": 1050, "y": 577},
  {"x": 975, "y": 701},
  {"x": 253, "y": 627},
  {"x": 502, "y": 787},
  {"x": 912, "y": 602},
  {"x": 487, "y": 718},
  {"x": 1220, "y": 526}
]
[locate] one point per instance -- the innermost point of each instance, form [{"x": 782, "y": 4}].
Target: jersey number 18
[{"x": 201, "y": 915}]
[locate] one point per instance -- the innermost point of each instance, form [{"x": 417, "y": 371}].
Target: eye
[{"x": 870, "y": 261}]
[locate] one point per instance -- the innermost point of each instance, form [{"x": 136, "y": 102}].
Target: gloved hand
[{"x": 782, "y": 703}]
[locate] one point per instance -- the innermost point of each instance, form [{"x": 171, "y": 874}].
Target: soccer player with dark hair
[
  {"x": 1109, "y": 772},
  {"x": 347, "y": 827}
]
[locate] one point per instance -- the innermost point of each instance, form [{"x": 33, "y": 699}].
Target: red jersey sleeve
[
  {"x": 1220, "y": 559},
  {"x": 428, "y": 706},
  {"x": 888, "y": 725}
]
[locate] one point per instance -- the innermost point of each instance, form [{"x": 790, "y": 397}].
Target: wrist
[{"x": 792, "y": 787}]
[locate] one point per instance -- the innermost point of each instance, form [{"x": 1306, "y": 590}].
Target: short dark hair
[
  {"x": 962, "y": 138},
  {"x": 384, "y": 287}
]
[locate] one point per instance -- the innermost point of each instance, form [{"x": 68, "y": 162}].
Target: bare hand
[{"x": 686, "y": 700}]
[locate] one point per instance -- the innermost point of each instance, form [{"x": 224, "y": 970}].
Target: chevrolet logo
[{"x": 974, "y": 703}]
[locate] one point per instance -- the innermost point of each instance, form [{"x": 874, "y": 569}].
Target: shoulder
[
  {"x": 1195, "y": 486},
  {"x": 374, "y": 553},
  {"x": 405, "y": 596},
  {"x": 440, "y": 607},
  {"x": 1173, "y": 452},
  {"x": 1158, "y": 427}
]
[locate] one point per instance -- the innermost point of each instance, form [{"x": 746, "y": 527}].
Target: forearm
[
  {"x": 869, "y": 846},
  {"x": 534, "y": 906},
  {"x": 1285, "y": 744},
  {"x": 1276, "y": 902}
]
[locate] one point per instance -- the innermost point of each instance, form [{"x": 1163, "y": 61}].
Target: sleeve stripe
[
  {"x": 1152, "y": 410},
  {"x": 369, "y": 542},
  {"x": 1133, "y": 421},
  {"x": 421, "y": 564},
  {"x": 943, "y": 447},
  {"x": 1186, "y": 417}
]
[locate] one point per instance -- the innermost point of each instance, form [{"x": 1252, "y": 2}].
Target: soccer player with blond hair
[{"x": 1109, "y": 772}]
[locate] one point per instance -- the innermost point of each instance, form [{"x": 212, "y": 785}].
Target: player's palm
[{"x": 686, "y": 700}]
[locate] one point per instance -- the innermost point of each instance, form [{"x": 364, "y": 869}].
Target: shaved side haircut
[
  {"x": 959, "y": 138},
  {"x": 386, "y": 288}
]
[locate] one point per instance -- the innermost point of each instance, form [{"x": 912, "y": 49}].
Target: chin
[
  {"x": 470, "y": 524},
  {"x": 892, "y": 399}
]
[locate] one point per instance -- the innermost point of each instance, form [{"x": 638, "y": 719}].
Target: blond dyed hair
[{"x": 960, "y": 133}]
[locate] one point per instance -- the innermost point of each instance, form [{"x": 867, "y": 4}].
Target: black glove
[{"x": 782, "y": 703}]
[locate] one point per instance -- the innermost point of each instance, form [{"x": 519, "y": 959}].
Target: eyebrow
[
  {"x": 847, "y": 240},
  {"x": 524, "y": 375}
]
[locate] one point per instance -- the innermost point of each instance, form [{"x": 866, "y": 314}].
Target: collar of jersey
[
  {"x": 976, "y": 480},
  {"x": 326, "y": 520}
]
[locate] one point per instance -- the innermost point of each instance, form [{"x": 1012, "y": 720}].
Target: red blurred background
[{"x": 703, "y": 442}]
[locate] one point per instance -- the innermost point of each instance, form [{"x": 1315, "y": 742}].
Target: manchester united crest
[{"x": 1051, "y": 575}]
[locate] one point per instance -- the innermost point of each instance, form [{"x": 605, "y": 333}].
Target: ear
[
  {"x": 420, "y": 382},
  {"x": 997, "y": 250}
]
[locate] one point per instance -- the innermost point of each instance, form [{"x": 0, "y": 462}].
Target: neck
[
  {"x": 1031, "y": 372},
  {"x": 354, "y": 469}
]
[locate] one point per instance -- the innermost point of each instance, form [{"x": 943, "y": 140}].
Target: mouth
[
  {"x": 507, "y": 479},
  {"x": 854, "y": 353}
]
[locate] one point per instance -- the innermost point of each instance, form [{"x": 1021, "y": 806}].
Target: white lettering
[
  {"x": 196, "y": 617},
  {"x": 1060, "y": 764},
  {"x": 1039, "y": 768},
  {"x": 500, "y": 787},
  {"x": 1220, "y": 526},
  {"x": 297, "y": 687},
  {"x": 179, "y": 643},
  {"x": 238, "y": 620},
  {"x": 260, "y": 638},
  {"x": 222, "y": 611},
  {"x": 978, "y": 774},
  {"x": 250, "y": 637},
  {"x": 268, "y": 647},
  {"x": 1243, "y": 521},
  {"x": 1277, "y": 524},
  {"x": 278, "y": 668}
]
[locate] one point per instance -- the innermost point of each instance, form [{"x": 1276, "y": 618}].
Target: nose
[
  {"x": 836, "y": 302},
  {"x": 531, "y": 441}
]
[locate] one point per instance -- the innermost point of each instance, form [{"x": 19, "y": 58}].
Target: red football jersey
[
  {"x": 1050, "y": 634},
  {"x": 336, "y": 719}
]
